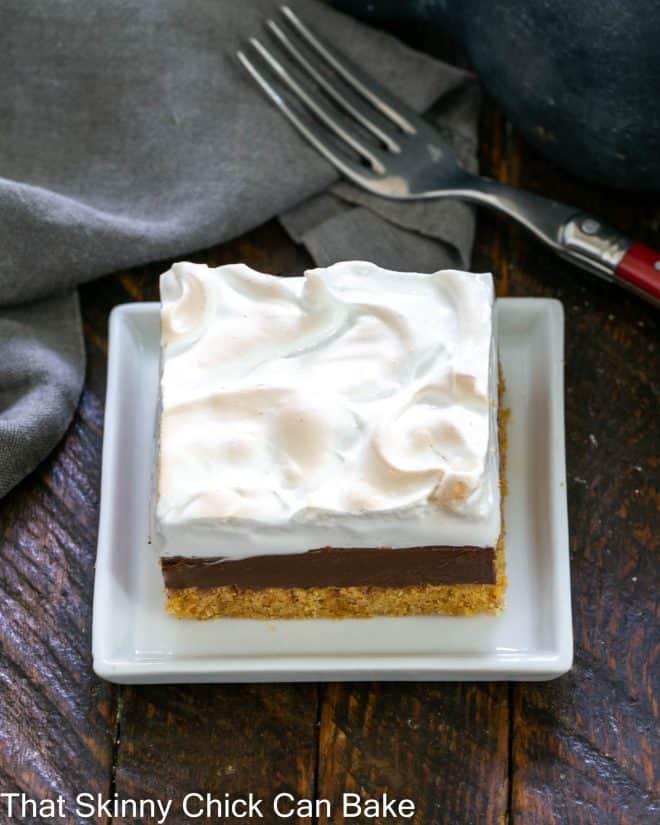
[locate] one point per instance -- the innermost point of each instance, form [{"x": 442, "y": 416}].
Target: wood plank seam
[
  {"x": 320, "y": 689},
  {"x": 116, "y": 740}
]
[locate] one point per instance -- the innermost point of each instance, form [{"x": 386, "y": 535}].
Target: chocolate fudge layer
[{"x": 338, "y": 567}]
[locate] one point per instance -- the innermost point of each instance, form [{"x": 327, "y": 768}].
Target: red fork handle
[
  {"x": 608, "y": 253},
  {"x": 639, "y": 269}
]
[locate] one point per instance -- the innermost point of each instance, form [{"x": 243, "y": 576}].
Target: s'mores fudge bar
[{"x": 328, "y": 445}]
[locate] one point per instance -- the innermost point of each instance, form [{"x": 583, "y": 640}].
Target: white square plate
[{"x": 135, "y": 640}]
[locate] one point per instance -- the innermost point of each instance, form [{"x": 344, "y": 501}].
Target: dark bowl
[{"x": 579, "y": 80}]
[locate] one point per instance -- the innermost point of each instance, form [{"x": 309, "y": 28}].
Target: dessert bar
[{"x": 329, "y": 445}]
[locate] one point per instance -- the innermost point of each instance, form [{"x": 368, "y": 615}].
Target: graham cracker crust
[{"x": 342, "y": 602}]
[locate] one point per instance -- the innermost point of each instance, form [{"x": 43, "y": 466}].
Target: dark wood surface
[{"x": 581, "y": 749}]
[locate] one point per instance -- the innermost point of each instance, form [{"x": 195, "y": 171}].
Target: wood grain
[
  {"x": 445, "y": 746},
  {"x": 585, "y": 748},
  {"x": 56, "y": 718},
  {"x": 217, "y": 739}
]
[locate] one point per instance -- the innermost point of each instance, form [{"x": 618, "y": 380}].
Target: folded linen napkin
[{"x": 131, "y": 133}]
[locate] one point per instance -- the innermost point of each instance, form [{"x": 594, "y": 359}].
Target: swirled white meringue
[{"x": 353, "y": 408}]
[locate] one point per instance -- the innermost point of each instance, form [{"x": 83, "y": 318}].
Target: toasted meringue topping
[{"x": 360, "y": 405}]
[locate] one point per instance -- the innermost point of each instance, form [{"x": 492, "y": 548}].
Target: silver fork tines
[
  {"x": 306, "y": 127},
  {"x": 381, "y": 100},
  {"x": 321, "y": 113},
  {"x": 341, "y": 102},
  {"x": 374, "y": 139},
  {"x": 341, "y": 99}
]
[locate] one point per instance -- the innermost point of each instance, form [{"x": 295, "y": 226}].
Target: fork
[{"x": 380, "y": 144}]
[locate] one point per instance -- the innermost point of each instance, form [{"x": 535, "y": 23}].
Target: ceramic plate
[{"x": 136, "y": 641}]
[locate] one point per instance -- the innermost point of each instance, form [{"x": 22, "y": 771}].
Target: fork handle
[
  {"x": 576, "y": 236},
  {"x": 639, "y": 269},
  {"x": 608, "y": 253}
]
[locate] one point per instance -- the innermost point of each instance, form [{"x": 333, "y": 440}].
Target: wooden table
[{"x": 580, "y": 749}]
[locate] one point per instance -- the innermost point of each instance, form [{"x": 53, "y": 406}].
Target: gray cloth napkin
[{"x": 130, "y": 133}]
